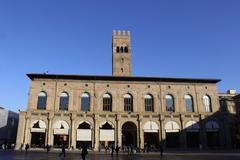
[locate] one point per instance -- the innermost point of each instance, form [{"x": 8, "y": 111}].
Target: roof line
[{"x": 32, "y": 76}]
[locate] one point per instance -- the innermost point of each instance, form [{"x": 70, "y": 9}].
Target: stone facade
[{"x": 137, "y": 127}]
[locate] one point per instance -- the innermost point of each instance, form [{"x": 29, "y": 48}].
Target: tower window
[
  {"x": 121, "y": 49},
  {"x": 122, "y": 69},
  {"x": 117, "y": 49},
  {"x": 122, "y": 60},
  {"x": 126, "y": 49}
]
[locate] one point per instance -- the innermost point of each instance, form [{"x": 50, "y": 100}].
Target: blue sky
[{"x": 170, "y": 38}]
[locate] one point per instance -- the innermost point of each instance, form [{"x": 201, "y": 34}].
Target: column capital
[
  {"x": 140, "y": 117},
  {"x": 117, "y": 117},
  {"x": 162, "y": 118}
]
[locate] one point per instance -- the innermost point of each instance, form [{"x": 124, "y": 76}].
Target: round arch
[
  {"x": 150, "y": 126},
  {"x": 129, "y": 134},
  {"x": 172, "y": 126}
]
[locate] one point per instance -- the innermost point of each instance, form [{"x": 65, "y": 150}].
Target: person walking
[
  {"x": 26, "y": 148},
  {"x": 117, "y": 149},
  {"x": 112, "y": 150},
  {"x": 48, "y": 148},
  {"x": 5, "y": 144},
  {"x": 84, "y": 152},
  {"x": 63, "y": 151},
  {"x": 161, "y": 150}
]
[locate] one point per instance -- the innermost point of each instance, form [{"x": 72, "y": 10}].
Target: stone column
[
  {"x": 73, "y": 131},
  {"x": 162, "y": 118},
  {"x": 140, "y": 133},
  {"x": 96, "y": 133},
  {"x": 116, "y": 130},
  {"x": 27, "y": 130},
  {"x": 21, "y": 130},
  {"x": 160, "y": 130},
  {"x": 203, "y": 135},
  {"x": 49, "y": 129},
  {"x": 119, "y": 135},
  {"x": 183, "y": 139}
]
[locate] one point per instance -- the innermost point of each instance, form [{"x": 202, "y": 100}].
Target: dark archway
[
  {"x": 129, "y": 134},
  {"x": 84, "y": 135}
]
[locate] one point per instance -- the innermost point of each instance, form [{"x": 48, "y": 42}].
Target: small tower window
[
  {"x": 117, "y": 49},
  {"x": 126, "y": 49},
  {"x": 122, "y": 69},
  {"x": 122, "y": 60},
  {"x": 121, "y": 49}
]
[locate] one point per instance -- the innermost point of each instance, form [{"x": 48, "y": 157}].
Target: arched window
[
  {"x": 121, "y": 49},
  {"x": 189, "y": 103},
  {"x": 207, "y": 103},
  {"x": 148, "y": 103},
  {"x": 42, "y": 100},
  {"x": 126, "y": 49},
  {"x": 169, "y": 103},
  {"x": 128, "y": 103},
  {"x": 107, "y": 102},
  {"x": 118, "y": 49},
  {"x": 85, "y": 102},
  {"x": 63, "y": 105}
]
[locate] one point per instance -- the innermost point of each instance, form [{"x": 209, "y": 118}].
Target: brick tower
[{"x": 121, "y": 53}]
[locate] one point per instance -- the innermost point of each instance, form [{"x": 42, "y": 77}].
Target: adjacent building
[
  {"x": 122, "y": 109},
  {"x": 8, "y": 126}
]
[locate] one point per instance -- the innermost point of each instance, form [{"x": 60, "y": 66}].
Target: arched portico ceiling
[
  {"x": 38, "y": 126},
  {"x": 212, "y": 126},
  {"x": 171, "y": 126},
  {"x": 150, "y": 126},
  {"x": 60, "y": 127},
  {"x": 106, "y": 131},
  {"x": 192, "y": 126},
  {"x": 103, "y": 123},
  {"x": 84, "y": 131}
]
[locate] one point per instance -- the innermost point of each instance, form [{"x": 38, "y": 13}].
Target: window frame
[
  {"x": 168, "y": 108},
  {"x": 149, "y": 103},
  {"x": 107, "y": 102},
  {"x": 186, "y": 100},
  {"x": 63, "y": 106},
  {"x": 128, "y": 102},
  {"x": 42, "y": 99}
]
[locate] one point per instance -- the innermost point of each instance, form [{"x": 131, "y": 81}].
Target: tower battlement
[
  {"x": 121, "y": 53},
  {"x": 121, "y": 33}
]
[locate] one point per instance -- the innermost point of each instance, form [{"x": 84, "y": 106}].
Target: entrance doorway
[
  {"x": 129, "y": 134},
  {"x": 172, "y": 139},
  {"x": 212, "y": 139},
  {"x": 37, "y": 140},
  {"x": 59, "y": 140},
  {"x": 151, "y": 141},
  {"x": 38, "y": 134},
  {"x": 84, "y": 135},
  {"x": 193, "y": 139},
  {"x": 106, "y": 135}
]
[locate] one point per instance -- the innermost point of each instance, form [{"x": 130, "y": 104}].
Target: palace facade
[{"x": 122, "y": 109}]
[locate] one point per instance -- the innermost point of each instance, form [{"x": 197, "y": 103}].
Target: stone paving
[{"x": 11, "y": 155}]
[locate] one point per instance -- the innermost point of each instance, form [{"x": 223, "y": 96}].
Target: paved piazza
[{"x": 93, "y": 156}]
